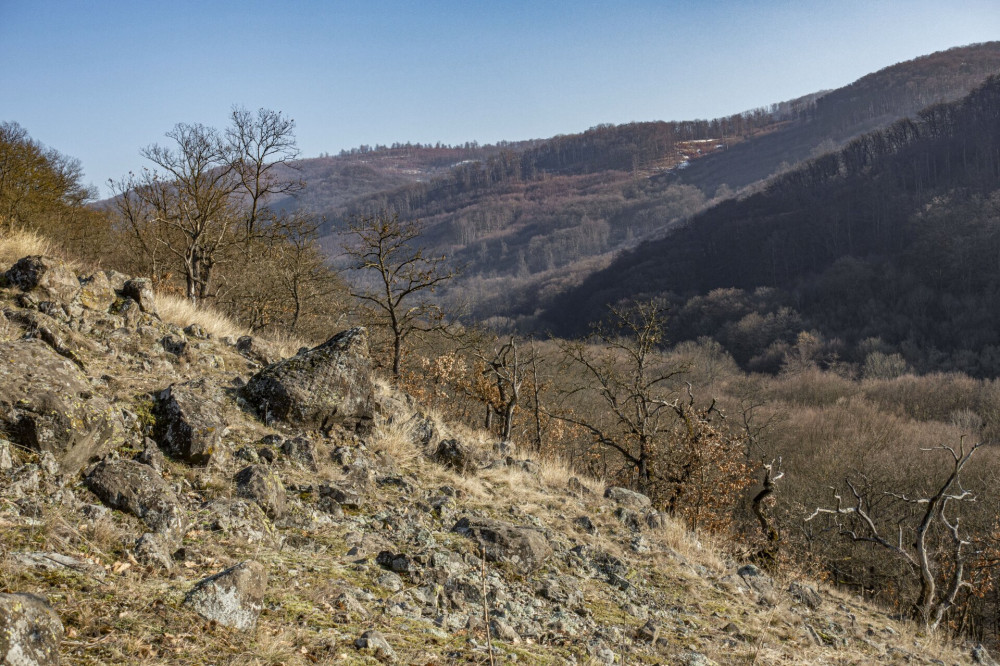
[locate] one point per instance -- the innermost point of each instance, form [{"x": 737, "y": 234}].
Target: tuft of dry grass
[
  {"x": 180, "y": 311},
  {"x": 16, "y": 243}
]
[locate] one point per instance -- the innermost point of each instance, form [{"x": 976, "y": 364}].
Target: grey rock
[
  {"x": 374, "y": 642},
  {"x": 30, "y": 631},
  {"x": 96, "y": 292},
  {"x": 47, "y": 404},
  {"x": 629, "y": 499},
  {"x": 259, "y": 351},
  {"x": 233, "y": 598},
  {"x": 48, "y": 278},
  {"x": 522, "y": 546},
  {"x": 260, "y": 484},
  {"x": 140, "y": 290},
  {"x": 323, "y": 387},
  {"x": 130, "y": 486},
  {"x": 236, "y": 517},
  {"x": 189, "y": 424}
]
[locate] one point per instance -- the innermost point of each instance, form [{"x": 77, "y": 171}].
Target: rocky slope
[{"x": 170, "y": 497}]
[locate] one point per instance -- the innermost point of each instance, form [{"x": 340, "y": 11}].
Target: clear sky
[{"x": 99, "y": 79}]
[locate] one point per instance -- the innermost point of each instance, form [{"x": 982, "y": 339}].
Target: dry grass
[
  {"x": 17, "y": 243},
  {"x": 181, "y": 312}
]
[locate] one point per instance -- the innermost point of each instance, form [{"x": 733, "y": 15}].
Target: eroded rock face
[
  {"x": 47, "y": 404},
  {"x": 128, "y": 485},
  {"x": 189, "y": 423},
  {"x": 522, "y": 546},
  {"x": 49, "y": 279},
  {"x": 258, "y": 483},
  {"x": 321, "y": 387},
  {"x": 233, "y": 598},
  {"x": 30, "y": 631}
]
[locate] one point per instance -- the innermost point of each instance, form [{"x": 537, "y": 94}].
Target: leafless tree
[
  {"x": 204, "y": 189},
  {"x": 404, "y": 277},
  {"x": 631, "y": 383},
  {"x": 857, "y": 521}
]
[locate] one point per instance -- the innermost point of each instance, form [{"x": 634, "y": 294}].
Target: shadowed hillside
[{"x": 893, "y": 237}]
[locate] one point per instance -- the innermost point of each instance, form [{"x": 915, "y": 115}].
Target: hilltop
[{"x": 174, "y": 492}]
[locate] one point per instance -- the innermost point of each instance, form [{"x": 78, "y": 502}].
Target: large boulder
[
  {"x": 322, "y": 387},
  {"x": 128, "y": 485},
  {"x": 522, "y": 546},
  {"x": 30, "y": 631},
  {"x": 233, "y": 598},
  {"x": 47, "y": 404},
  {"x": 188, "y": 420},
  {"x": 50, "y": 279}
]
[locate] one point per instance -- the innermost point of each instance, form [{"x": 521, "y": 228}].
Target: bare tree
[
  {"x": 857, "y": 521},
  {"x": 504, "y": 371},
  {"x": 631, "y": 383},
  {"x": 404, "y": 277},
  {"x": 205, "y": 188}
]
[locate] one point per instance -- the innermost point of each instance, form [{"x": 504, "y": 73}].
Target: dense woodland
[
  {"x": 833, "y": 326},
  {"x": 887, "y": 245}
]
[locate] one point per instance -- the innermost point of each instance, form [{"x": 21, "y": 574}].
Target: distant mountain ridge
[{"x": 529, "y": 220}]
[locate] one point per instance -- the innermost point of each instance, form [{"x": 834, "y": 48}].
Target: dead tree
[{"x": 857, "y": 524}]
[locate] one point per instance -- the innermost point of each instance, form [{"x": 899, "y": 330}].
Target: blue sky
[{"x": 100, "y": 79}]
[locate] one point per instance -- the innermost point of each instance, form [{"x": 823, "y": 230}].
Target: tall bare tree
[
  {"x": 401, "y": 277},
  {"x": 207, "y": 193}
]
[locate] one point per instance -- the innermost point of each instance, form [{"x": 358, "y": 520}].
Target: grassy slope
[{"x": 119, "y": 612}]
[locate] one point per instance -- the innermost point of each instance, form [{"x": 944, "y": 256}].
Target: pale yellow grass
[
  {"x": 17, "y": 243},
  {"x": 181, "y": 312}
]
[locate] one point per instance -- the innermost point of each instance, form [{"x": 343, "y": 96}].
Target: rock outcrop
[
  {"x": 320, "y": 388},
  {"x": 47, "y": 404}
]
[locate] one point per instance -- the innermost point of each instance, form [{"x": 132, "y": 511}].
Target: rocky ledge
[{"x": 167, "y": 496}]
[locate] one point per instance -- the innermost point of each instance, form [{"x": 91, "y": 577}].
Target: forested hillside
[
  {"x": 889, "y": 245},
  {"x": 529, "y": 220}
]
